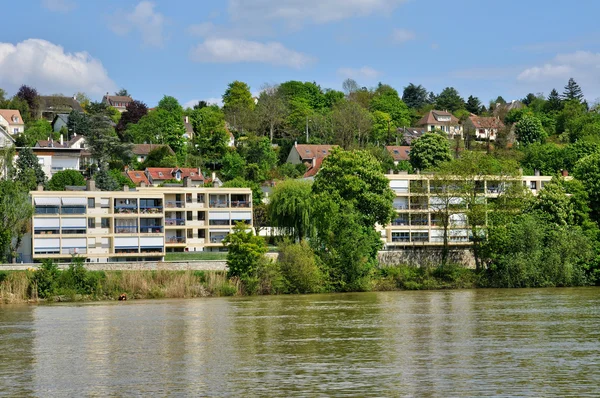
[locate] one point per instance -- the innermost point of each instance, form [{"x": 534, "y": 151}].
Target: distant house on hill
[
  {"x": 6, "y": 141},
  {"x": 60, "y": 120},
  {"x": 119, "y": 102},
  {"x": 50, "y": 106},
  {"x": 11, "y": 121},
  {"x": 483, "y": 128},
  {"x": 141, "y": 151},
  {"x": 399, "y": 153},
  {"x": 409, "y": 134},
  {"x": 305, "y": 153},
  {"x": 159, "y": 175},
  {"x": 441, "y": 120}
]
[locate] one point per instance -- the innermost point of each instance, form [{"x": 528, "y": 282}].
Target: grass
[{"x": 191, "y": 256}]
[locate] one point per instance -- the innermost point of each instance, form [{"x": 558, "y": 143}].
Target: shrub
[
  {"x": 45, "y": 279},
  {"x": 299, "y": 268}
]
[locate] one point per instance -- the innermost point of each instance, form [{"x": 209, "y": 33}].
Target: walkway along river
[{"x": 483, "y": 342}]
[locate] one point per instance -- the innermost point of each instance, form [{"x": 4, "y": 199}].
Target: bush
[
  {"x": 45, "y": 279},
  {"x": 299, "y": 268},
  {"x": 270, "y": 279}
]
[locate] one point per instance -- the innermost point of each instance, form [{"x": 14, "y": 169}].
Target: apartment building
[
  {"x": 136, "y": 224},
  {"x": 417, "y": 204}
]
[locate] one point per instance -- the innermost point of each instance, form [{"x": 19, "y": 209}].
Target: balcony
[
  {"x": 74, "y": 231},
  {"x": 419, "y": 223},
  {"x": 126, "y": 209},
  {"x": 240, "y": 203},
  {"x": 174, "y": 221},
  {"x": 400, "y": 239},
  {"x": 219, "y": 203},
  {"x": 72, "y": 210},
  {"x": 175, "y": 239},
  {"x": 400, "y": 221},
  {"x": 174, "y": 204},
  {"x": 126, "y": 229},
  {"x": 46, "y": 210},
  {"x": 150, "y": 206},
  {"x": 400, "y": 206},
  {"x": 419, "y": 206},
  {"x": 217, "y": 239},
  {"x": 151, "y": 229}
]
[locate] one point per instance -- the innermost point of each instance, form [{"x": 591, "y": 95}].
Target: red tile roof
[
  {"x": 137, "y": 177},
  {"x": 8, "y": 114},
  {"x": 480, "y": 122},
  {"x": 167, "y": 173},
  {"x": 313, "y": 170},
  {"x": 313, "y": 151},
  {"x": 145, "y": 149},
  {"x": 432, "y": 118},
  {"x": 399, "y": 152}
]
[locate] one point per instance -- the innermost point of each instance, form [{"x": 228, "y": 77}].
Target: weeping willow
[{"x": 290, "y": 209}]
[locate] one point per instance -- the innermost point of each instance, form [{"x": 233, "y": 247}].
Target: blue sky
[{"x": 192, "y": 49}]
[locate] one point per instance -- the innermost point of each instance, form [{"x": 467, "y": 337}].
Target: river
[{"x": 528, "y": 342}]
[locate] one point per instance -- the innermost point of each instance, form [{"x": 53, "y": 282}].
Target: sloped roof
[
  {"x": 398, "y": 152},
  {"x": 49, "y": 144},
  {"x": 432, "y": 118},
  {"x": 58, "y": 103},
  {"x": 313, "y": 170},
  {"x": 167, "y": 173},
  {"x": 145, "y": 149},
  {"x": 137, "y": 177},
  {"x": 480, "y": 122},
  {"x": 118, "y": 98},
  {"x": 313, "y": 151},
  {"x": 9, "y": 113}
]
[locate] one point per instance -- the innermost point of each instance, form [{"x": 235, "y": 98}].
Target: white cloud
[
  {"x": 202, "y": 29},
  {"x": 144, "y": 20},
  {"x": 297, "y": 12},
  {"x": 48, "y": 68},
  {"x": 59, "y": 5},
  {"x": 210, "y": 101},
  {"x": 216, "y": 50},
  {"x": 583, "y": 66},
  {"x": 402, "y": 35},
  {"x": 365, "y": 72}
]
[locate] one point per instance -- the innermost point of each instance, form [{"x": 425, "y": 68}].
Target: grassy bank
[{"x": 195, "y": 256}]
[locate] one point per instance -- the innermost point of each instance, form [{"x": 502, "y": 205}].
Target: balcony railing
[
  {"x": 175, "y": 239},
  {"x": 217, "y": 239},
  {"x": 419, "y": 206},
  {"x": 174, "y": 204},
  {"x": 219, "y": 203},
  {"x": 400, "y": 207},
  {"x": 126, "y": 229},
  {"x": 400, "y": 239},
  {"x": 151, "y": 229},
  {"x": 151, "y": 209},
  {"x": 74, "y": 231},
  {"x": 46, "y": 210},
  {"x": 73, "y": 210},
  {"x": 174, "y": 221},
  {"x": 400, "y": 222},
  {"x": 126, "y": 209},
  {"x": 73, "y": 250},
  {"x": 46, "y": 231},
  {"x": 418, "y": 222},
  {"x": 420, "y": 238},
  {"x": 240, "y": 203}
]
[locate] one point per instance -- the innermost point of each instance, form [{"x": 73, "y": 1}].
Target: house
[
  {"x": 398, "y": 153},
  {"x": 313, "y": 169},
  {"x": 409, "y": 134},
  {"x": 119, "y": 102},
  {"x": 137, "y": 177},
  {"x": 55, "y": 157},
  {"x": 60, "y": 120},
  {"x": 141, "y": 151},
  {"x": 189, "y": 129},
  {"x": 441, "y": 120},
  {"x": 483, "y": 128},
  {"x": 160, "y": 175},
  {"x": 50, "y": 106},
  {"x": 500, "y": 110},
  {"x": 6, "y": 140},
  {"x": 134, "y": 224},
  {"x": 11, "y": 121},
  {"x": 231, "y": 142},
  {"x": 305, "y": 153}
]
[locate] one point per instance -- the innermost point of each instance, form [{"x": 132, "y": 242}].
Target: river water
[{"x": 526, "y": 342}]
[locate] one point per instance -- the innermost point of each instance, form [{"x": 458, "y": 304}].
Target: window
[
  {"x": 105, "y": 223},
  {"x": 190, "y": 233},
  {"x": 160, "y": 174},
  {"x": 201, "y": 216},
  {"x": 16, "y": 130},
  {"x": 91, "y": 203},
  {"x": 533, "y": 185},
  {"x": 201, "y": 233},
  {"x": 189, "y": 215},
  {"x": 91, "y": 223},
  {"x": 41, "y": 161}
]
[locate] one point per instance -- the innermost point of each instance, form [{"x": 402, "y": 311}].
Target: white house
[
  {"x": 441, "y": 120},
  {"x": 484, "y": 127},
  {"x": 12, "y": 121}
]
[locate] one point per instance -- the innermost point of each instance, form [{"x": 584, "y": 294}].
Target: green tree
[
  {"x": 160, "y": 157},
  {"x": 79, "y": 123},
  {"x": 529, "y": 130},
  {"x": 300, "y": 268},
  {"x": 259, "y": 151},
  {"x": 122, "y": 93},
  {"x": 290, "y": 209},
  {"x": 554, "y": 204},
  {"x": 35, "y": 131},
  {"x": 414, "y": 96},
  {"x": 386, "y": 99},
  {"x": 64, "y": 178},
  {"x": 15, "y": 216},
  {"x": 429, "y": 151},
  {"x": 572, "y": 91},
  {"x": 29, "y": 171},
  {"x": 473, "y": 105},
  {"x": 105, "y": 181},
  {"x": 587, "y": 170},
  {"x": 159, "y": 127},
  {"x": 171, "y": 105},
  {"x": 554, "y": 102},
  {"x": 238, "y": 105},
  {"x": 245, "y": 252},
  {"x": 351, "y": 124},
  {"x": 233, "y": 166},
  {"x": 271, "y": 109},
  {"x": 384, "y": 129},
  {"x": 449, "y": 100},
  {"x": 120, "y": 179},
  {"x": 103, "y": 143}
]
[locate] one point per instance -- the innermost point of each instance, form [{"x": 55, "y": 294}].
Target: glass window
[
  {"x": 91, "y": 202},
  {"x": 190, "y": 233},
  {"x": 189, "y": 215},
  {"x": 91, "y": 223},
  {"x": 106, "y": 223}
]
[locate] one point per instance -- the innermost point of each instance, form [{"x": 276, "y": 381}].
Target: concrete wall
[
  {"x": 424, "y": 257},
  {"x": 205, "y": 265}
]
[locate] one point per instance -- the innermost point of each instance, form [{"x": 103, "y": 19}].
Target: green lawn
[{"x": 189, "y": 256}]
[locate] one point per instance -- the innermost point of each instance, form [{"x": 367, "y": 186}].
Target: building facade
[
  {"x": 134, "y": 225},
  {"x": 443, "y": 121},
  {"x": 417, "y": 205},
  {"x": 11, "y": 121}
]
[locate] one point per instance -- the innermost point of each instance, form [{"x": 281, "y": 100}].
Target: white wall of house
[
  {"x": 482, "y": 134},
  {"x": 12, "y": 128}
]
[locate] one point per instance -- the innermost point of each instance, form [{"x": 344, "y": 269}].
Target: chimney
[
  {"x": 314, "y": 162},
  {"x": 295, "y": 144},
  {"x": 90, "y": 185},
  {"x": 536, "y": 172},
  {"x": 565, "y": 173},
  {"x": 40, "y": 188},
  {"x": 214, "y": 176},
  {"x": 61, "y": 140},
  {"x": 125, "y": 188},
  {"x": 187, "y": 182},
  {"x": 187, "y": 119},
  {"x": 143, "y": 184}
]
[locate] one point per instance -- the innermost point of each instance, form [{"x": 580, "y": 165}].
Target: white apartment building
[
  {"x": 134, "y": 225},
  {"x": 417, "y": 220}
]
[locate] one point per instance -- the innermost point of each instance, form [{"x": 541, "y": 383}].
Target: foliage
[
  {"x": 238, "y": 95},
  {"x": 104, "y": 144},
  {"x": 15, "y": 215},
  {"x": 171, "y": 106},
  {"x": 64, "y": 178},
  {"x": 160, "y": 157},
  {"x": 429, "y": 151},
  {"x": 473, "y": 105},
  {"x": 29, "y": 170},
  {"x": 351, "y": 123},
  {"x": 414, "y": 96},
  {"x": 449, "y": 100},
  {"x": 572, "y": 91},
  {"x": 29, "y": 95},
  {"x": 45, "y": 279},
  {"x": 120, "y": 179},
  {"x": 39, "y": 130},
  {"x": 300, "y": 268},
  {"x": 105, "y": 180},
  {"x": 529, "y": 130},
  {"x": 78, "y": 124},
  {"x": 385, "y": 99},
  {"x": 245, "y": 252},
  {"x": 134, "y": 112},
  {"x": 258, "y": 151},
  {"x": 290, "y": 209},
  {"x": 587, "y": 170}
]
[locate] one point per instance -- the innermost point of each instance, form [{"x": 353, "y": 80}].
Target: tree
[
  {"x": 38, "y": 130},
  {"x": 300, "y": 267},
  {"x": 290, "y": 209},
  {"x": 238, "y": 105},
  {"x": 259, "y": 151},
  {"x": 384, "y": 129},
  {"x": 29, "y": 171},
  {"x": 572, "y": 91},
  {"x": 529, "y": 130},
  {"x": 351, "y": 123},
  {"x": 554, "y": 204},
  {"x": 350, "y": 86},
  {"x": 29, "y": 95},
  {"x": 415, "y": 97},
  {"x": 245, "y": 252},
  {"x": 122, "y": 93},
  {"x": 554, "y": 102},
  {"x": 429, "y": 151},
  {"x": 449, "y": 100},
  {"x": 160, "y": 157},
  {"x": 134, "y": 112},
  {"x": 105, "y": 181},
  {"x": 271, "y": 109},
  {"x": 159, "y": 127},
  {"x": 171, "y": 105},
  {"x": 78, "y": 124},
  {"x": 587, "y": 170},
  {"x": 432, "y": 99},
  {"x": 386, "y": 99},
  {"x": 15, "y": 215},
  {"x": 64, "y": 178},
  {"x": 473, "y": 105},
  {"x": 104, "y": 144},
  {"x": 82, "y": 98}
]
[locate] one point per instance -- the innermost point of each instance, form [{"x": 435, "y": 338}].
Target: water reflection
[{"x": 445, "y": 343}]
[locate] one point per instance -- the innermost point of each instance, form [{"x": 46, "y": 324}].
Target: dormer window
[
  {"x": 178, "y": 175},
  {"x": 160, "y": 174},
  {"x": 192, "y": 174}
]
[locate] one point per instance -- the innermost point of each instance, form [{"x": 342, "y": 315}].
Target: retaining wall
[
  {"x": 201, "y": 265},
  {"x": 425, "y": 257}
]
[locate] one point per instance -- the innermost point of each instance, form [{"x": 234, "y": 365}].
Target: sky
[{"x": 192, "y": 49}]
